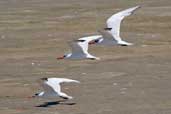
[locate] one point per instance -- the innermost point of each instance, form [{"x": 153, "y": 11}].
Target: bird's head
[
  {"x": 64, "y": 56},
  {"x": 80, "y": 40},
  {"x": 38, "y": 94},
  {"x": 108, "y": 29},
  {"x": 33, "y": 96}
]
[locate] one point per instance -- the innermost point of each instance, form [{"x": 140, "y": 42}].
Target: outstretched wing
[
  {"x": 115, "y": 20},
  {"x": 64, "y": 80},
  {"x": 50, "y": 87},
  {"x": 79, "y": 47},
  {"x": 54, "y": 83}
]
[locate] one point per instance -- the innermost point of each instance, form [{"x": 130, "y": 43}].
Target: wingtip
[
  {"x": 138, "y": 6},
  {"x": 135, "y": 8},
  {"x": 70, "y": 97},
  {"x": 97, "y": 58},
  {"x": 77, "y": 81},
  {"x": 44, "y": 79}
]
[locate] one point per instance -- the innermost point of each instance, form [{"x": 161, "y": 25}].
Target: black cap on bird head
[
  {"x": 80, "y": 40},
  {"x": 36, "y": 94},
  {"x": 108, "y": 29}
]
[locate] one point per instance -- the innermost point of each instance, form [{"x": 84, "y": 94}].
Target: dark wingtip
[
  {"x": 44, "y": 78},
  {"x": 138, "y": 6}
]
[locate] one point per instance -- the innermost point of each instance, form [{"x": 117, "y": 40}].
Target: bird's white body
[
  {"x": 111, "y": 36},
  {"x": 52, "y": 88},
  {"x": 79, "y": 50}
]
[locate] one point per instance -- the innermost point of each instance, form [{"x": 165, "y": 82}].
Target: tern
[
  {"x": 111, "y": 34},
  {"x": 79, "y": 50},
  {"x": 52, "y": 88}
]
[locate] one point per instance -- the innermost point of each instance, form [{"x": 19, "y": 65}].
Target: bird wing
[
  {"x": 54, "y": 83},
  {"x": 50, "y": 87},
  {"x": 79, "y": 47},
  {"x": 64, "y": 80},
  {"x": 115, "y": 20}
]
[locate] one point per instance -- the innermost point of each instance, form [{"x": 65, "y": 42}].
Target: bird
[
  {"x": 111, "y": 34},
  {"x": 52, "y": 88},
  {"x": 79, "y": 50}
]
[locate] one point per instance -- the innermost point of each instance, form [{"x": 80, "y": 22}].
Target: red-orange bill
[{"x": 62, "y": 57}]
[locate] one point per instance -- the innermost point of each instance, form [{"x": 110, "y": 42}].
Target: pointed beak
[
  {"x": 62, "y": 57},
  {"x": 30, "y": 97}
]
